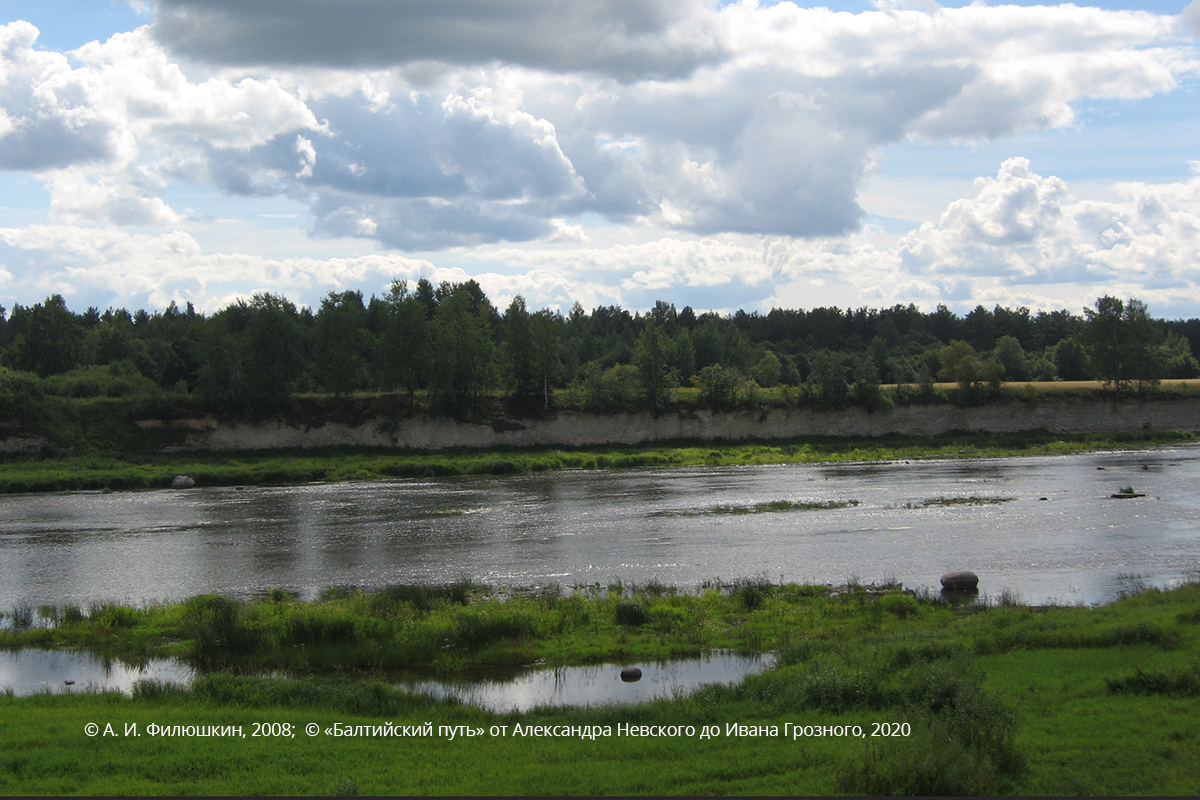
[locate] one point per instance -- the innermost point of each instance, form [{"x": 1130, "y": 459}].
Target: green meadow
[{"x": 985, "y": 697}]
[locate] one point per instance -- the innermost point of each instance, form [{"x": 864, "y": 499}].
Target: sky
[{"x": 746, "y": 154}]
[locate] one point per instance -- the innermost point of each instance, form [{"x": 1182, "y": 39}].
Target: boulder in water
[
  {"x": 961, "y": 581},
  {"x": 631, "y": 674},
  {"x": 182, "y": 482}
]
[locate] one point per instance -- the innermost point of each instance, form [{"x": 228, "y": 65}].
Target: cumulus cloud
[
  {"x": 1191, "y": 16},
  {"x": 417, "y": 127},
  {"x": 1023, "y": 228},
  {"x": 47, "y": 120},
  {"x": 1021, "y": 239},
  {"x": 110, "y": 134},
  {"x": 626, "y": 39}
]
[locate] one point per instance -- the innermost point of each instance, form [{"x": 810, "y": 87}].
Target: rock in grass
[
  {"x": 182, "y": 482},
  {"x": 631, "y": 674},
  {"x": 962, "y": 581}
]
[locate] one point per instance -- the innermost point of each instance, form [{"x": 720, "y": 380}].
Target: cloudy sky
[{"x": 720, "y": 155}]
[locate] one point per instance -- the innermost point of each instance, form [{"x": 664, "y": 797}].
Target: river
[{"x": 1041, "y": 528}]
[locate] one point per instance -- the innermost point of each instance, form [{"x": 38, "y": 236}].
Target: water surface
[{"x": 585, "y": 527}]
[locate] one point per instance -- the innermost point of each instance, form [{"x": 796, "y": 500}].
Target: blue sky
[{"x": 721, "y": 156}]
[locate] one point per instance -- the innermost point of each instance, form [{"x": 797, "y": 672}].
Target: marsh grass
[
  {"x": 973, "y": 500},
  {"x": 132, "y": 464},
  {"x": 764, "y": 508},
  {"x": 999, "y": 699},
  {"x": 21, "y": 616}
]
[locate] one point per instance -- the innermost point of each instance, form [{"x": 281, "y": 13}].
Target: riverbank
[
  {"x": 155, "y": 470},
  {"x": 984, "y": 699},
  {"x": 1013, "y": 413}
]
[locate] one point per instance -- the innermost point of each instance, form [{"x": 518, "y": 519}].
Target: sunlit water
[
  {"x": 598, "y": 684},
  {"x": 582, "y": 527},
  {"x": 32, "y": 671}
]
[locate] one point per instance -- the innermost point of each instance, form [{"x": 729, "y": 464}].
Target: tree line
[{"x": 449, "y": 349}]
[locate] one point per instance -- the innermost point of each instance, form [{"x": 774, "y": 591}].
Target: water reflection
[
  {"x": 598, "y": 684},
  {"x": 31, "y": 671},
  {"x": 633, "y": 525}
]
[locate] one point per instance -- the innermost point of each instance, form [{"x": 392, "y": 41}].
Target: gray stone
[
  {"x": 631, "y": 674},
  {"x": 963, "y": 581},
  {"x": 182, "y": 482}
]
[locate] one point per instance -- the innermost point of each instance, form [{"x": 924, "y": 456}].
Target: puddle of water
[
  {"x": 30, "y": 671},
  {"x": 597, "y": 684}
]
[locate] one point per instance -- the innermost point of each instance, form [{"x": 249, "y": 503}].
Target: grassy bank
[
  {"x": 150, "y": 470},
  {"x": 999, "y": 699}
]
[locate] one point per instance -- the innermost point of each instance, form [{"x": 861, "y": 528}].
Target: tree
[
  {"x": 1177, "y": 358},
  {"x": 1123, "y": 343},
  {"x": 766, "y": 371},
  {"x": 46, "y": 339},
  {"x": 1011, "y": 356},
  {"x": 651, "y": 357},
  {"x": 464, "y": 367},
  {"x": 718, "y": 386},
  {"x": 827, "y": 380},
  {"x": 403, "y": 352},
  {"x": 961, "y": 364},
  {"x": 1070, "y": 359},
  {"x": 251, "y": 356},
  {"x": 342, "y": 342},
  {"x": 532, "y": 349}
]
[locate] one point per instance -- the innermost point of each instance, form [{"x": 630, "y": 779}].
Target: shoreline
[{"x": 293, "y": 466}]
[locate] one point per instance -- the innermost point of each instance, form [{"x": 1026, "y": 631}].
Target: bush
[
  {"x": 112, "y": 616},
  {"x": 963, "y": 740},
  {"x": 1176, "y": 683},
  {"x": 900, "y": 605},
  {"x": 931, "y": 762},
  {"x": 316, "y": 630},
  {"x": 631, "y": 614},
  {"x": 474, "y": 630}
]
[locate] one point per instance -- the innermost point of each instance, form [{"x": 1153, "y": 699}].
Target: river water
[{"x": 1077, "y": 545}]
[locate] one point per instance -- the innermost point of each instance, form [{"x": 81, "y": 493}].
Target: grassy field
[
  {"x": 996, "y": 699},
  {"x": 149, "y": 470}
]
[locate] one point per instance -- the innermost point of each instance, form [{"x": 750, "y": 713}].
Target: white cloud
[
  {"x": 1022, "y": 239},
  {"x": 772, "y": 139},
  {"x": 671, "y": 146},
  {"x": 110, "y": 134}
]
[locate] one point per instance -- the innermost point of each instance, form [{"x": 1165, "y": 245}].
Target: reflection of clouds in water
[
  {"x": 598, "y": 684},
  {"x": 30, "y": 671}
]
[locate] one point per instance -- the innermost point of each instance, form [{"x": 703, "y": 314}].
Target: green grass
[
  {"x": 765, "y": 508},
  {"x": 961, "y": 501},
  {"x": 998, "y": 699},
  {"x": 145, "y": 468}
]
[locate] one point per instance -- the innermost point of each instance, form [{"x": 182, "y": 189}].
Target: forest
[{"x": 447, "y": 349}]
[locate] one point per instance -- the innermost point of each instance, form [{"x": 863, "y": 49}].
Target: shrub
[
  {"x": 112, "y": 616},
  {"x": 1177, "y": 683},
  {"x": 631, "y": 614},
  {"x": 476, "y": 629},
  {"x": 315, "y": 630},
  {"x": 900, "y": 605},
  {"x": 931, "y": 762}
]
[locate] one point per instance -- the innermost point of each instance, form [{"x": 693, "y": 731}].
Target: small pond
[
  {"x": 30, "y": 671},
  {"x": 598, "y": 684}
]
